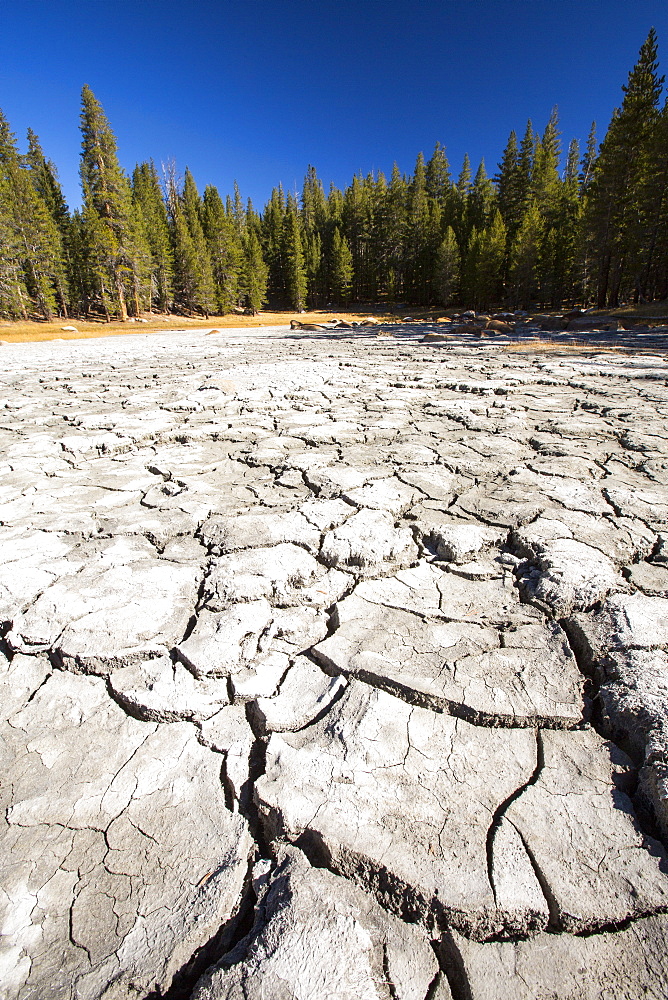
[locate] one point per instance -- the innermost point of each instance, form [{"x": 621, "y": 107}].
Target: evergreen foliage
[{"x": 536, "y": 234}]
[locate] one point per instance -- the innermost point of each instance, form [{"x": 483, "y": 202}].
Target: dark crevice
[
  {"x": 591, "y": 667},
  {"x": 445, "y": 706},
  {"x": 388, "y": 979},
  {"x": 505, "y": 805},
  {"x": 555, "y": 920},
  {"x": 451, "y": 962},
  {"x": 223, "y": 941},
  {"x": 257, "y": 764},
  {"x": 434, "y": 986}
]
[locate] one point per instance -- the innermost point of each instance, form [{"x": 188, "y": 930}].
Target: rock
[
  {"x": 393, "y": 797},
  {"x": 625, "y": 964},
  {"x": 246, "y": 531},
  {"x": 458, "y": 541},
  {"x": 229, "y": 733},
  {"x": 499, "y": 326},
  {"x": 71, "y": 329},
  {"x": 121, "y": 859},
  {"x": 317, "y": 935},
  {"x": 550, "y": 322},
  {"x": 437, "y": 483},
  {"x": 384, "y": 494},
  {"x": 621, "y": 646},
  {"x": 593, "y": 323},
  {"x": 301, "y": 568},
  {"x": 651, "y": 579}
]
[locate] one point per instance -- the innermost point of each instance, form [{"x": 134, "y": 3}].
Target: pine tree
[
  {"x": 446, "y": 268},
  {"x": 203, "y": 284},
  {"x": 13, "y": 293},
  {"x": 295, "y": 272},
  {"x": 147, "y": 194},
  {"x": 107, "y": 208},
  {"x": 616, "y": 205},
  {"x": 652, "y": 279},
  {"x": 481, "y": 201},
  {"x": 525, "y": 160},
  {"x": 224, "y": 237},
  {"x": 314, "y": 218},
  {"x": 421, "y": 243},
  {"x": 33, "y": 252},
  {"x": 45, "y": 181},
  {"x": 272, "y": 243},
  {"x": 439, "y": 182},
  {"x": 342, "y": 268},
  {"x": 525, "y": 258},
  {"x": 544, "y": 182},
  {"x": 239, "y": 213},
  {"x": 508, "y": 187},
  {"x": 256, "y": 272},
  {"x": 461, "y": 195},
  {"x": 588, "y": 160}
]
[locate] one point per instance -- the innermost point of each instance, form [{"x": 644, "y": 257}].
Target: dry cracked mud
[{"x": 332, "y": 666}]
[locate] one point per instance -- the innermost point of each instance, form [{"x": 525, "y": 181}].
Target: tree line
[{"x": 595, "y": 232}]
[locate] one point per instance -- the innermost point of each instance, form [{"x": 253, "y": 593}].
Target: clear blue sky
[{"x": 256, "y": 90}]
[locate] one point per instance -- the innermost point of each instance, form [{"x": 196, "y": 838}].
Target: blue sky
[{"x": 255, "y": 90}]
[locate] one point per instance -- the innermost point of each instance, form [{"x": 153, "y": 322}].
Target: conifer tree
[
  {"x": 314, "y": 228},
  {"x": 239, "y": 213},
  {"x": 460, "y": 202},
  {"x": 13, "y": 293},
  {"x": 45, "y": 181},
  {"x": 256, "y": 272},
  {"x": 394, "y": 234},
  {"x": 342, "y": 268},
  {"x": 272, "y": 242},
  {"x": 438, "y": 180},
  {"x": 525, "y": 161},
  {"x": 616, "y": 204},
  {"x": 34, "y": 249},
  {"x": 652, "y": 276},
  {"x": 525, "y": 258},
  {"x": 544, "y": 181},
  {"x": 202, "y": 280},
  {"x": 295, "y": 272},
  {"x": 421, "y": 243},
  {"x": 147, "y": 194},
  {"x": 224, "y": 237},
  {"x": 446, "y": 268},
  {"x": 508, "y": 188},
  {"x": 107, "y": 208},
  {"x": 481, "y": 201},
  {"x": 588, "y": 161}
]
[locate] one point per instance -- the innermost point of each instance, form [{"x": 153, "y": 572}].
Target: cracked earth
[{"x": 332, "y": 667}]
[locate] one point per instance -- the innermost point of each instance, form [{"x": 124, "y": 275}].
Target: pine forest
[{"x": 535, "y": 233}]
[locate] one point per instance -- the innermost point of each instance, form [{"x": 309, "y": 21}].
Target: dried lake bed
[{"x": 333, "y": 665}]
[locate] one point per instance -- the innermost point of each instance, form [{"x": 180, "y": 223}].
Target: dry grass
[{"x": 20, "y": 332}]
